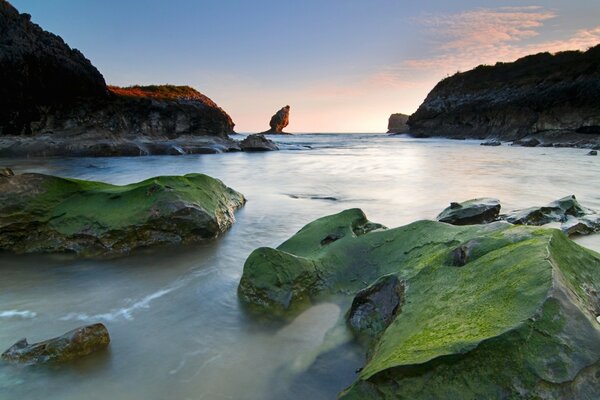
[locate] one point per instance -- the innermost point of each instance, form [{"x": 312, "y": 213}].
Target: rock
[
  {"x": 257, "y": 142},
  {"x": 5, "y": 172},
  {"x": 476, "y": 211},
  {"x": 554, "y": 97},
  {"x": 74, "y": 344},
  {"x": 279, "y": 121},
  {"x": 54, "y": 102},
  {"x": 491, "y": 143},
  {"x": 592, "y": 153},
  {"x": 42, "y": 213},
  {"x": 557, "y": 211},
  {"x": 532, "y": 142},
  {"x": 375, "y": 307},
  {"x": 519, "y": 318},
  {"x": 397, "y": 123}
]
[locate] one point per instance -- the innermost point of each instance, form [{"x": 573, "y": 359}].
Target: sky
[{"x": 342, "y": 65}]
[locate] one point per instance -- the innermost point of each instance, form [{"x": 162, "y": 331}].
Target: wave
[{"x": 18, "y": 314}]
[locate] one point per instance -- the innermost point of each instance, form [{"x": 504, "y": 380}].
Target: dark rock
[
  {"x": 397, "y": 123},
  {"x": 279, "y": 121},
  {"x": 491, "y": 143},
  {"x": 5, "y": 172},
  {"x": 557, "y": 211},
  {"x": 462, "y": 254},
  {"x": 42, "y": 213},
  {"x": 592, "y": 153},
  {"x": 596, "y": 147},
  {"x": 471, "y": 212},
  {"x": 375, "y": 307},
  {"x": 532, "y": 142},
  {"x": 555, "y": 97},
  {"x": 74, "y": 344},
  {"x": 257, "y": 142}
]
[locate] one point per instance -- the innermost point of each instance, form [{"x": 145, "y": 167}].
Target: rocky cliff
[
  {"x": 554, "y": 98},
  {"x": 53, "y": 101},
  {"x": 397, "y": 123}
]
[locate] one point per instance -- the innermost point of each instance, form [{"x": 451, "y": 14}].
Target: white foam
[{"x": 18, "y": 314}]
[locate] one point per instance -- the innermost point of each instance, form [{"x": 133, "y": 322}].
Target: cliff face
[
  {"x": 53, "y": 101},
  {"x": 397, "y": 123},
  {"x": 552, "y": 97},
  {"x": 36, "y": 69}
]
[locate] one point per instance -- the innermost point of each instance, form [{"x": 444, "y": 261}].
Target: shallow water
[{"x": 176, "y": 326}]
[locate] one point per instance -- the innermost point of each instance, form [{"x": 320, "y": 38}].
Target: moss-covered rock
[
  {"x": 74, "y": 344},
  {"x": 42, "y": 213},
  {"x": 515, "y": 318}
]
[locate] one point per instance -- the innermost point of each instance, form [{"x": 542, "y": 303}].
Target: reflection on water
[{"x": 176, "y": 326}]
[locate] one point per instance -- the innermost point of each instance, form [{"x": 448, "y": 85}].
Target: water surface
[{"x": 177, "y": 329}]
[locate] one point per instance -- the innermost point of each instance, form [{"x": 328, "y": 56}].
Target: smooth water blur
[{"x": 177, "y": 329}]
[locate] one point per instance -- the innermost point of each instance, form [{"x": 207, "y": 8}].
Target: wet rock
[
  {"x": 279, "y": 121},
  {"x": 257, "y": 142},
  {"x": 5, "y": 172},
  {"x": 42, "y": 213},
  {"x": 375, "y": 307},
  {"x": 524, "y": 299},
  {"x": 592, "y": 153},
  {"x": 557, "y": 211},
  {"x": 491, "y": 143},
  {"x": 476, "y": 211},
  {"x": 74, "y": 344},
  {"x": 462, "y": 254},
  {"x": 532, "y": 142}
]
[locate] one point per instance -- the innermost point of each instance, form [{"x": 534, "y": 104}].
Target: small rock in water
[
  {"x": 491, "y": 143},
  {"x": 74, "y": 344},
  {"x": 6, "y": 172},
  {"x": 257, "y": 142},
  {"x": 592, "y": 153},
  {"x": 476, "y": 211},
  {"x": 532, "y": 142}
]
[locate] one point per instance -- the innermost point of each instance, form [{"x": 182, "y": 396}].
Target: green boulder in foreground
[
  {"x": 516, "y": 317},
  {"x": 42, "y": 213}
]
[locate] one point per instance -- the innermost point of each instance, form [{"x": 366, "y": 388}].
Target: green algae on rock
[
  {"x": 42, "y": 213},
  {"x": 516, "y": 318},
  {"x": 74, "y": 344}
]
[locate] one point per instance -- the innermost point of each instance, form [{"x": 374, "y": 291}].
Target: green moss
[
  {"x": 85, "y": 216},
  {"x": 516, "y": 321}
]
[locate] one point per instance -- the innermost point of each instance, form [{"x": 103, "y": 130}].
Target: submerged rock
[
  {"x": 476, "y": 211},
  {"x": 279, "y": 121},
  {"x": 518, "y": 319},
  {"x": 74, "y": 344},
  {"x": 42, "y": 213},
  {"x": 491, "y": 143},
  {"x": 257, "y": 142},
  {"x": 592, "y": 153}
]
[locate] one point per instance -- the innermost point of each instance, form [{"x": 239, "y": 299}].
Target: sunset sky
[{"x": 342, "y": 66}]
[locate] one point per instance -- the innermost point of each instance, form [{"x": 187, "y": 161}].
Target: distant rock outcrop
[
  {"x": 54, "y": 102},
  {"x": 257, "y": 142},
  {"x": 279, "y": 121},
  {"x": 397, "y": 123},
  {"x": 552, "y": 98}
]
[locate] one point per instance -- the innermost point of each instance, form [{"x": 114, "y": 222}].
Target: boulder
[
  {"x": 518, "y": 319},
  {"x": 397, "y": 123},
  {"x": 74, "y": 344},
  {"x": 42, "y": 213},
  {"x": 279, "y": 121},
  {"x": 476, "y": 211},
  {"x": 557, "y": 211},
  {"x": 257, "y": 142},
  {"x": 5, "y": 172}
]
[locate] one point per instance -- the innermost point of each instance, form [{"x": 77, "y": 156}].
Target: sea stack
[
  {"x": 397, "y": 123},
  {"x": 280, "y": 120}
]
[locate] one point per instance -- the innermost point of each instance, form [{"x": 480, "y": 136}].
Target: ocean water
[{"x": 177, "y": 329}]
